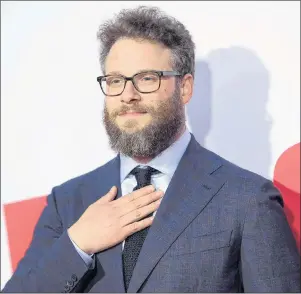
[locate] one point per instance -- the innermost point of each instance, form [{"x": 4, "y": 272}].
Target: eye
[
  {"x": 148, "y": 77},
  {"x": 114, "y": 81}
]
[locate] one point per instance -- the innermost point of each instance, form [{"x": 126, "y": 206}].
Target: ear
[{"x": 187, "y": 88}]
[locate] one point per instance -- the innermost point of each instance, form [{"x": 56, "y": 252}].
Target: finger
[
  {"x": 140, "y": 202},
  {"x": 140, "y": 213},
  {"x": 137, "y": 226},
  {"x": 135, "y": 195},
  {"x": 109, "y": 196}
]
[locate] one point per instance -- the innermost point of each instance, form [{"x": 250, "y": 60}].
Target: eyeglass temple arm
[{"x": 170, "y": 73}]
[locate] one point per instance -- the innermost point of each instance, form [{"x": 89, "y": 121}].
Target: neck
[{"x": 145, "y": 160}]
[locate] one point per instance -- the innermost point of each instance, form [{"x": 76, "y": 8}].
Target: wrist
[{"x": 77, "y": 241}]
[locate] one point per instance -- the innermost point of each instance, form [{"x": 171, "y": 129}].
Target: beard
[{"x": 167, "y": 119}]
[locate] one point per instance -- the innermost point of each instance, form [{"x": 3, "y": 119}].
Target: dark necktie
[{"x": 134, "y": 242}]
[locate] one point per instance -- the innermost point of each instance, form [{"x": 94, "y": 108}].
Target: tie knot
[{"x": 143, "y": 175}]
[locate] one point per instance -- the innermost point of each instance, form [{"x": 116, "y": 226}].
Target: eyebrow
[{"x": 142, "y": 70}]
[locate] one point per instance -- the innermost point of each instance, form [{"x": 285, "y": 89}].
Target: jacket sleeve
[
  {"x": 270, "y": 260},
  {"x": 51, "y": 263}
]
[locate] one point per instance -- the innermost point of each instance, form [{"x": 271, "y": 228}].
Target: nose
[{"x": 130, "y": 93}]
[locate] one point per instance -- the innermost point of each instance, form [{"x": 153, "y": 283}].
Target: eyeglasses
[{"x": 144, "y": 82}]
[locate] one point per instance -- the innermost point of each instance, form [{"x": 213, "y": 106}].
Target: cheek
[
  {"x": 110, "y": 106},
  {"x": 154, "y": 99},
  {"x": 168, "y": 87},
  {"x": 167, "y": 92}
]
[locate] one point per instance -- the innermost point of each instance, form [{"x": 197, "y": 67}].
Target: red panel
[
  {"x": 287, "y": 180},
  {"x": 21, "y": 218}
]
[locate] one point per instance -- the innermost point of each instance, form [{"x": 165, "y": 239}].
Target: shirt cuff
[{"x": 87, "y": 258}]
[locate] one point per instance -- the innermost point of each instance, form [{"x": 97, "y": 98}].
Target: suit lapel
[
  {"x": 109, "y": 260},
  {"x": 189, "y": 191}
]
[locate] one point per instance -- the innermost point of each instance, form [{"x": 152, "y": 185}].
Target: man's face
[{"x": 142, "y": 125}]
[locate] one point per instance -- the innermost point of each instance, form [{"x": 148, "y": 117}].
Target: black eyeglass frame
[{"x": 159, "y": 73}]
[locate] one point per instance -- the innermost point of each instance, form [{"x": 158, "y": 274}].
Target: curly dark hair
[{"x": 152, "y": 24}]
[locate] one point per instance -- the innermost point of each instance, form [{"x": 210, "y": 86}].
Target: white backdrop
[{"x": 246, "y": 104}]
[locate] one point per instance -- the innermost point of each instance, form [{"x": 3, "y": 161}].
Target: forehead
[{"x": 128, "y": 56}]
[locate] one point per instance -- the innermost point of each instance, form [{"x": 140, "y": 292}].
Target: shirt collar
[{"x": 166, "y": 162}]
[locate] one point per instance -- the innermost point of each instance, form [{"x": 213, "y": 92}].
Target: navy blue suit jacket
[{"x": 219, "y": 228}]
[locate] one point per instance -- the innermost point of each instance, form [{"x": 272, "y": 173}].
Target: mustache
[{"x": 135, "y": 108}]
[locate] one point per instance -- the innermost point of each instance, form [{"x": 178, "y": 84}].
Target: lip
[{"x": 132, "y": 113}]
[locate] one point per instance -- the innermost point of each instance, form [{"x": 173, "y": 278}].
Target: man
[{"x": 165, "y": 215}]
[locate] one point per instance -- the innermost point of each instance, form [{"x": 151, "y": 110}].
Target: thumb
[{"x": 109, "y": 196}]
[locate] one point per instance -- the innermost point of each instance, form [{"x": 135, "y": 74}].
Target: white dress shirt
[{"x": 166, "y": 163}]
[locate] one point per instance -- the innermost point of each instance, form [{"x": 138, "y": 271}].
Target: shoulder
[
  {"x": 72, "y": 186},
  {"x": 242, "y": 182}
]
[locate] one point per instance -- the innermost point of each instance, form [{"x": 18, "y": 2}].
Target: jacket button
[
  {"x": 69, "y": 283},
  {"x": 67, "y": 288},
  {"x": 74, "y": 278}
]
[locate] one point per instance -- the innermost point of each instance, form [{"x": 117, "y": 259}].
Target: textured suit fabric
[
  {"x": 134, "y": 242},
  {"x": 219, "y": 228}
]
